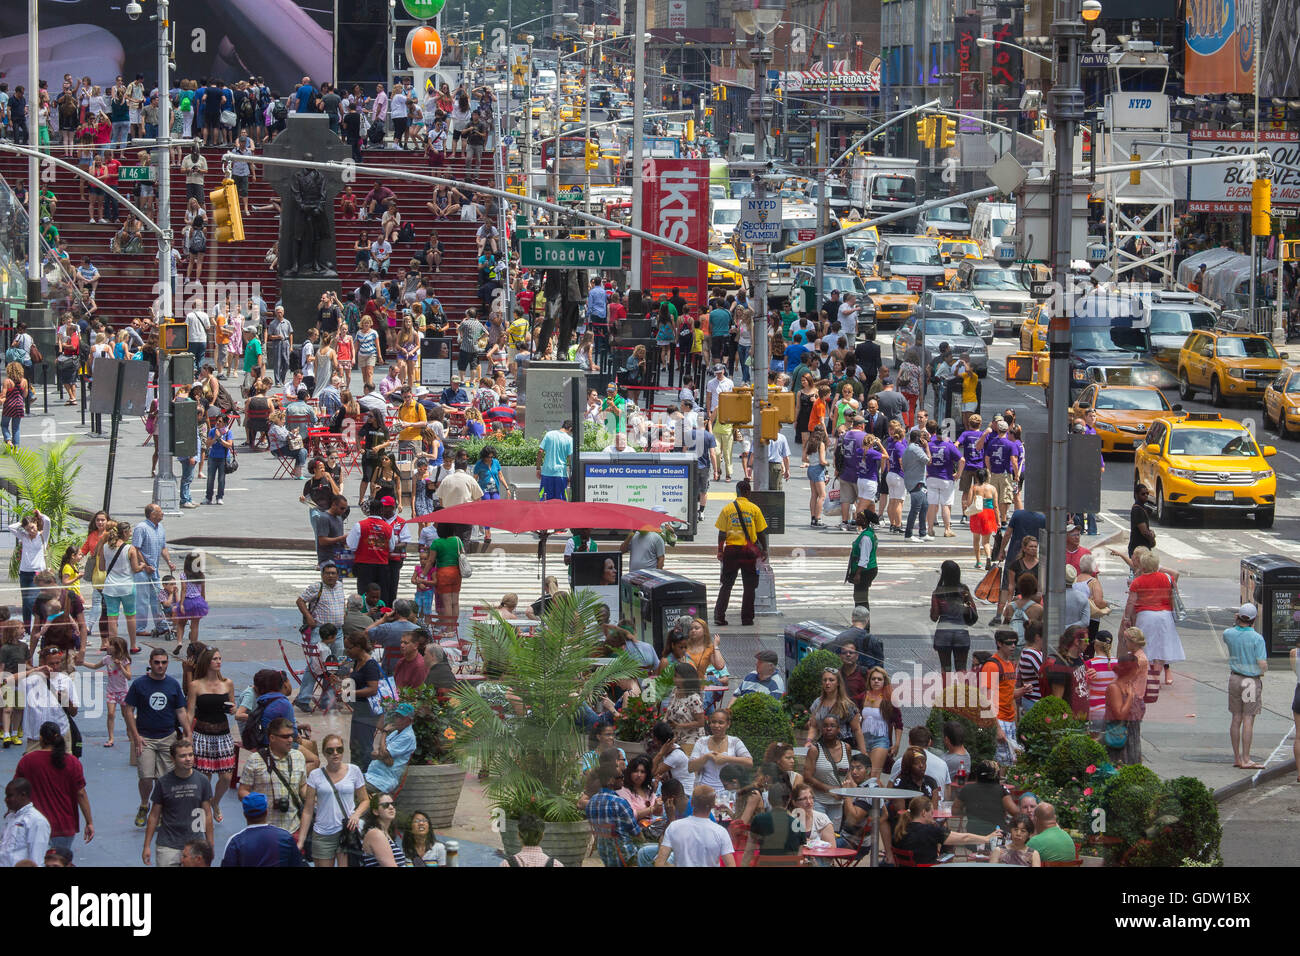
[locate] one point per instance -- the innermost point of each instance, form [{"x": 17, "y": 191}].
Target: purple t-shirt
[
  {"x": 968, "y": 442},
  {"x": 944, "y": 458},
  {"x": 870, "y": 467},
  {"x": 896, "y": 449},
  {"x": 851, "y": 443},
  {"x": 1020, "y": 455},
  {"x": 998, "y": 452}
]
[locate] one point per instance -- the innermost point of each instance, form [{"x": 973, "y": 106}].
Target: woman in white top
[
  {"x": 335, "y": 797},
  {"x": 121, "y": 562},
  {"x": 712, "y": 752},
  {"x": 31, "y": 534},
  {"x": 461, "y": 115},
  {"x": 814, "y": 823}
]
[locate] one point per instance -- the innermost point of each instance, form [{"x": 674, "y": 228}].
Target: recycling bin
[
  {"x": 652, "y": 600},
  {"x": 1272, "y": 583},
  {"x": 803, "y": 637}
]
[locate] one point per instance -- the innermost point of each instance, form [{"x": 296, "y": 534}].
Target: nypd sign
[
  {"x": 760, "y": 219},
  {"x": 1139, "y": 110}
]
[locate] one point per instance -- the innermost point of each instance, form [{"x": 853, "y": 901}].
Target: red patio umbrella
[{"x": 524, "y": 516}]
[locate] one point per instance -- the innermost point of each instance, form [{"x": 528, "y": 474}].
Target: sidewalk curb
[
  {"x": 1238, "y": 787},
  {"x": 556, "y": 546}
]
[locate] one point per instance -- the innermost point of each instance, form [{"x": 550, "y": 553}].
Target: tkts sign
[{"x": 676, "y": 208}]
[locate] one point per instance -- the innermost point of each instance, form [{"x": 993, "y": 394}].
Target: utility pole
[
  {"x": 1066, "y": 110},
  {"x": 760, "y": 111},
  {"x": 823, "y": 199},
  {"x": 165, "y": 493},
  {"x": 586, "y": 96},
  {"x": 638, "y": 138}
]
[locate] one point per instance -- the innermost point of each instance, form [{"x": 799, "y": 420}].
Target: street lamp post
[
  {"x": 758, "y": 18},
  {"x": 1066, "y": 108},
  {"x": 589, "y": 36},
  {"x": 823, "y": 190},
  {"x": 638, "y": 139},
  {"x": 33, "y": 164}
]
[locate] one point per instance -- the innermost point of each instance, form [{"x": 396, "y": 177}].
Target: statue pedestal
[{"x": 301, "y": 298}]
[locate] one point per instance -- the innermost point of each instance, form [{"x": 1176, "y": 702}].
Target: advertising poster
[
  {"x": 1226, "y": 188},
  {"x": 676, "y": 207},
  {"x": 229, "y": 39},
  {"x": 1279, "y": 67},
  {"x": 600, "y": 572},
  {"x": 1220, "y": 55},
  {"x": 436, "y": 356}
]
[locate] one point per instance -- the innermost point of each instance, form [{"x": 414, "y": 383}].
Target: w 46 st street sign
[{"x": 570, "y": 254}]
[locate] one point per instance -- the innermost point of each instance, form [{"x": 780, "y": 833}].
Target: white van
[
  {"x": 992, "y": 225},
  {"x": 547, "y": 82},
  {"x": 723, "y": 216}
]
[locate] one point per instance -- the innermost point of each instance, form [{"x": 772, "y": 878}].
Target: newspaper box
[
  {"x": 803, "y": 637},
  {"x": 1272, "y": 583},
  {"x": 652, "y": 600}
]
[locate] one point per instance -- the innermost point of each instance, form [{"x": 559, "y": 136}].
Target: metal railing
[{"x": 1243, "y": 320}]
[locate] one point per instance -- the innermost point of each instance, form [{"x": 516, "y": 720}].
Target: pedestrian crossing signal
[{"x": 1026, "y": 368}]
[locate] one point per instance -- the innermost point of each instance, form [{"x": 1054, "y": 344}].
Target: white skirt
[{"x": 1163, "y": 643}]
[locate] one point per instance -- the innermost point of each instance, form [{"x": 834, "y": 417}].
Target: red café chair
[{"x": 906, "y": 858}]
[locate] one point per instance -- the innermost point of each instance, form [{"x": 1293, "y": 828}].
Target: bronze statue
[{"x": 307, "y": 226}]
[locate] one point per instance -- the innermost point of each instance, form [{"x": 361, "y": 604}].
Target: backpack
[
  {"x": 253, "y": 736},
  {"x": 550, "y": 861},
  {"x": 279, "y": 112},
  {"x": 406, "y": 233},
  {"x": 295, "y": 360},
  {"x": 247, "y": 109}
]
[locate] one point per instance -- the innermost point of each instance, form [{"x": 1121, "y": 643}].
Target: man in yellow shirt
[
  {"x": 411, "y": 411},
  {"x": 742, "y": 538}
]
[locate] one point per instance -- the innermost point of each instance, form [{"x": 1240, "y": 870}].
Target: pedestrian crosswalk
[{"x": 803, "y": 583}]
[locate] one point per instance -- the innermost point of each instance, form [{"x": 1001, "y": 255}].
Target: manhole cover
[{"x": 1208, "y": 758}]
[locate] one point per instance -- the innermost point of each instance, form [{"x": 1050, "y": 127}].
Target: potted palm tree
[
  {"x": 433, "y": 780},
  {"x": 523, "y": 726},
  {"x": 43, "y": 478}
]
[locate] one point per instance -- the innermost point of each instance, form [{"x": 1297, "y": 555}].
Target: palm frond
[{"x": 43, "y": 478}]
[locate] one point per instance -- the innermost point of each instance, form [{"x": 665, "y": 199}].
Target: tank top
[
  {"x": 873, "y": 724},
  {"x": 118, "y": 582},
  {"x": 830, "y": 772},
  {"x": 211, "y": 709},
  {"x": 14, "y": 404},
  {"x": 398, "y": 855}
]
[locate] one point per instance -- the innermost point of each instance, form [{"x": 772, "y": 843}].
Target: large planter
[
  {"x": 434, "y": 790},
  {"x": 631, "y": 747},
  {"x": 567, "y": 842}
]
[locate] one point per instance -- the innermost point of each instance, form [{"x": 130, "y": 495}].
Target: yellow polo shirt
[
  {"x": 729, "y": 522},
  {"x": 416, "y": 415}
]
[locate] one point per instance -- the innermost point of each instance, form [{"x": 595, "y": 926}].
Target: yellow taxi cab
[
  {"x": 1227, "y": 364},
  {"x": 1033, "y": 331},
  {"x": 1203, "y": 462},
  {"x": 724, "y": 278},
  {"x": 867, "y": 232},
  {"x": 891, "y": 299},
  {"x": 571, "y": 113},
  {"x": 1124, "y": 413},
  {"x": 960, "y": 249},
  {"x": 1282, "y": 402}
]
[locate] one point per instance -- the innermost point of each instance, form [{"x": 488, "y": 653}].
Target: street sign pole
[
  {"x": 760, "y": 111},
  {"x": 638, "y": 139},
  {"x": 165, "y": 493},
  {"x": 112, "y": 438}
]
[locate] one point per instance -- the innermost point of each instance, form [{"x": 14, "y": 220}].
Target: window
[
  {"x": 1132, "y": 399},
  {"x": 913, "y": 256},
  {"x": 1212, "y": 442},
  {"x": 1245, "y": 347},
  {"x": 997, "y": 279},
  {"x": 1179, "y": 321},
  {"x": 1293, "y": 385}
]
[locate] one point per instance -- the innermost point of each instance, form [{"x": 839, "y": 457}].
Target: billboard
[
  {"x": 1279, "y": 67},
  {"x": 837, "y": 81},
  {"x": 1226, "y": 188},
  {"x": 676, "y": 207},
  {"x": 228, "y": 39},
  {"x": 1220, "y": 46}
]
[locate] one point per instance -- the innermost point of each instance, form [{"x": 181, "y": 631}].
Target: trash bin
[
  {"x": 652, "y": 600},
  {"x": 805, "y": 636},
  {"x": 1272, "y": 583}
]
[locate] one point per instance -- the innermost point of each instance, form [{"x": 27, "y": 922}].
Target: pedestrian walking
[
  {"x": 31, "y": 536},
  {"x": 742, "y": 541},
  {"x": 180, "y": 807},
  {"x": 862, "y": 568},
  {"x": 260, "y": 843},
  {"x": 1247, "y": 664},
  {"x": 154, "y": 707},
  {"x": 335, "y": 801},
  {"x": 210, "y": 702},
  {"x": 58, "y": 785},
  {"x": 952, "y": 608},
  {"x": 26, "y": 834},
  {"x": 916, "y": 459},
  {"x": 1151, "y": 596},
  {"x": 150, "y": 540}
]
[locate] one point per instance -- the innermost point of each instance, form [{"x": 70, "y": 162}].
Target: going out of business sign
[{"x": 1226, "y": 187}]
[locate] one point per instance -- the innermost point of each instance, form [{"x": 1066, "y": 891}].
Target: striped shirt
[
  {"x": 1031, "y": 663},
  {"x": 367, "y": 342},
  {"x": 1101, "y": 674}
]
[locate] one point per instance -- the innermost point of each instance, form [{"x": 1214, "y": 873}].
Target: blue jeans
[
  {"x": 187, "y": 478},
  {"x": 742, "y": 355},
  {"x": 146, "y": 599},
  {"x": 27, "y": 581},
  {"x": 217, "y": 474},
  {"x": 199, "y": 349},
  {"x": 645, "y": 856},
  {"x": 9, "y": 428},
  {"x": 916, "y": 510}
]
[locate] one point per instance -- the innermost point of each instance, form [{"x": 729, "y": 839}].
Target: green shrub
[
  {"x": 758, "y": 720},
  {"x": 1070, "y": 758},
  {"x": 1130, "y": 800},
  {"x": 514, "y": 449},
  {"x": 1184, "y": 826},
  {"x": 980, "y": 741},
  {"x": 805, "y": 684},
  {"x": 1044, "y": 725}
]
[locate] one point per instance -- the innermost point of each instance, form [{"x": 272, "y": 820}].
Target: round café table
[
  {"x": 877, "y": 796},
  {"x": 838, "y": 856}
]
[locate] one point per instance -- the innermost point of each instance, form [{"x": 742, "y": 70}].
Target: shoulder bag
[
  {"x": 752, "y": 550},
  {"x": 1176, "y": 599},
  {"x": 989, "y": 587},
  {"x": 108, "y": 570},
  {"x": 349, "y": 839},
  {"x": 462, "y": 560},
  {"x": 1115, "y": 736}
]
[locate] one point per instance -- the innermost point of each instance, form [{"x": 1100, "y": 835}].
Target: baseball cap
[
  {"x": 254, "y": 804},
  {"x": 405, "y": 709},
  {"x": 611, "y": 387},
  {"x": 1071, "y": 527},
  {"x": 387, "y": 500},
  {"x": 768, "y": 656},
  {"x": 1247, "y": 611}
]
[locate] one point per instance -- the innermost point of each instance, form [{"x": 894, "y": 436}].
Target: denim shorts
[
  {"x": 112, "y": 603},
  {"x": 816, "y": 472},
  {"x": 877, "y": 742}
]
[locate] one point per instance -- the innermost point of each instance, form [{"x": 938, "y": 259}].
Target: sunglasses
[
  {"x": 331, "y": 751},
  {"x": 385, "y": 806}
]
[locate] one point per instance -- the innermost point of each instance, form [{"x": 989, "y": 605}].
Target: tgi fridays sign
[
  {"x": 1226, "y": 187},
  {"x": 676, "y": 193}
]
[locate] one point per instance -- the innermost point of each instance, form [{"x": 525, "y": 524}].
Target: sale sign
[
  {"x": 675, "y": 207},
  {"x": 1226, "y": 187}
]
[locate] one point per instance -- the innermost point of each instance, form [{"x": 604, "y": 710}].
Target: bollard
[{"x": 453, "y": 852}]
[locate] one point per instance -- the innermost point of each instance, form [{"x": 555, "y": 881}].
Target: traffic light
[
  {"x": 780, "y": 94},
  {"x": 923, "y": 130},
  {"x": 1135, "y": 175},
  {"x": 225, "y": 212},
  {"x": 722, "y": 92},
  {"x": 1261, "y": 201},
  {"x": 592, "y": 154},
  {"x": 947, "y": 132}
]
